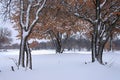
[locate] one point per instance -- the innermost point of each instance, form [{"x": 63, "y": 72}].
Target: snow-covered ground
[{"x": 68, "y": 66}]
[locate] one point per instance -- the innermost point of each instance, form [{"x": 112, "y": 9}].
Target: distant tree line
[
  {"x": 76, "y": 44},
  {"x": 71, "y": 44}
]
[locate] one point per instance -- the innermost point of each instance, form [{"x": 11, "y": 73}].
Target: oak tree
[{"x": 101, "y": 14}]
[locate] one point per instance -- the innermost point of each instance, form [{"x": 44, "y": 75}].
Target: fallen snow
[{"x": 68, "y": 66}]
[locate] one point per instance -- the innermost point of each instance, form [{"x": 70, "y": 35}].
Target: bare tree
[
  {"x": 5, "y": 36},
  {"x": 7, "y": 9}
]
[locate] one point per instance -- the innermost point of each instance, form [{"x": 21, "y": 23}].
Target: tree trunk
[
  {"x": 59, "y": 43},
  {"x": 58, "y": 46},
  {"x": 97, "y": 53},
  {"x": 110, "y": 41},
  {"x": 22, "y": 52},
  {"x": 29, "y": 57},
  {"x": 27, "y": 60},
  {"x": 25, "y": 52},
  {"x": 93, "y": 48},
  {"x": 100, "y": 53}
]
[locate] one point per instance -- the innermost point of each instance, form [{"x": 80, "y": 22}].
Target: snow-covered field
[{"x": 67, "y": 66}]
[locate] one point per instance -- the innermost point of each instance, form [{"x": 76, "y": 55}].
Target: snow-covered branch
[
  {"x": 37, "y": 16},
  {"x": 21, "y": 14},
  {"x": 38, "y": 3},
  {"x": 111, "y": 14},
  {"x": 6, "y": 9},
  {"x": 114, "y": 21},
  {"x": 28, "y": 15},
  {"x": 85, "y": 18},
  {"x": 101, "y": 5}
]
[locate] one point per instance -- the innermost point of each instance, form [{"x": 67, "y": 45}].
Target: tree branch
[
  {"x": 85, "y": 18},
  {"x": 101, "y": 5},
  {"x": 28, "y": 15},
  {"x": 37, "y": 16},
  {"x": 111, "y": 14},
  {"x": 21, "y": 14}
]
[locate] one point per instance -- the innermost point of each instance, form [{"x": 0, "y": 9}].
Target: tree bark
[
  {"x": 22, "y": 51},
  {"x": 29, "y": 57},
  {"x": 93, "y": 49},
  {"x": 25, "y": 52},
  {"x": 110, "y": 42},
  {"x": 57, "y": 42}
]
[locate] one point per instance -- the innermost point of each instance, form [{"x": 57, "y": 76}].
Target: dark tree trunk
[
  {"x": 100, "y": 53},
  {"x": 52, "y": 38},
  {"x": 97, "y": 56},
  {"x": 29, "y": 57},
  {"x": 110, "y": 42},
  {"x": 97, "y": 48},
  {"x": 56, "y": 39},
  {"x": 59, "y": 43},
  {"x": 58, "y": 47},
  {"x": 93, "y": 49}
]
